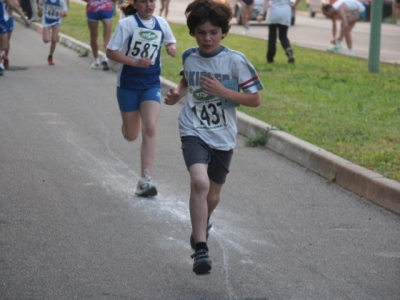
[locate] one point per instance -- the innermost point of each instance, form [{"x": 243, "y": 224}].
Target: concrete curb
[{"x": 366, "y": 183}]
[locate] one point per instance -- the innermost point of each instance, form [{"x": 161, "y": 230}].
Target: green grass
[{"x": 331, "y": 101}]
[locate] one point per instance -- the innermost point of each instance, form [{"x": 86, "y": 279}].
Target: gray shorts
[{"x": 195, "y": 150}]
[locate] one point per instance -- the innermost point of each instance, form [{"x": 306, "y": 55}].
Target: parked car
[
  {"x": 237, "y": 11},
  {"x": 387, "y": 6},
  {"x": 315, "y": 6}
]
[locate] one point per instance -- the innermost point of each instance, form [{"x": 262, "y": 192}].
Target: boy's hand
[{"x": 212, "y": 86}]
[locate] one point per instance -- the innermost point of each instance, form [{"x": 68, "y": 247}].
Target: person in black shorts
[{"x": 247, "y": 8}]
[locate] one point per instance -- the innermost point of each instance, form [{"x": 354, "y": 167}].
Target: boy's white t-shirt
[{"x": 203, "y": 115}]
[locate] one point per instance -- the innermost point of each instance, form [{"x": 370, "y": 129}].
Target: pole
[{"x": 375, "y": 36}]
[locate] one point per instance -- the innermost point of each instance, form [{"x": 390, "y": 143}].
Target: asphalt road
[{"x": 70, "y": 227}]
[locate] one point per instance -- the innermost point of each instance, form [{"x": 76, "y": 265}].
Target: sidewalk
[{"x": 366, "y": 183}]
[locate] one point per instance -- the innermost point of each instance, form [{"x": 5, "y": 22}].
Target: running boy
[
  {"x": 207, "y": 127},
  {"x": 140, "y": 36},
  {"x": 52, "y": 11}
]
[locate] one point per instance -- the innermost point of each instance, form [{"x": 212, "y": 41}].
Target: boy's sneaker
[
  {"x": 202, "y": 263},
  {"x": 145, "y": 187},
  {"x": 50, "y": 61},
  {"x": 104, "y": 62},
  {"x": 335, "y": 48},
  {"x": 193, "y": 243}
]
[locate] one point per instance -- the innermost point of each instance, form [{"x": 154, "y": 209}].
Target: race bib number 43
[{"x": 145, "y": 43}]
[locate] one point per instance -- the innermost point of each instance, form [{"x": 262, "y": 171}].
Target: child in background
[
  {"x": 99, "y": 11},
  {"x": 140, "y": 36},
  {"x": 6, "y": 29},
  {"x": 208, "y": 128},
  {"x": 10, "y": 29},
  {"x": 247, "y": 9},
  {"x": 164, "y": 7},
  {"x": 52, "y": 11}
]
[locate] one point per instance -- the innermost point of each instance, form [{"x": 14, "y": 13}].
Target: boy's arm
[{"x": 173, "y": 96}]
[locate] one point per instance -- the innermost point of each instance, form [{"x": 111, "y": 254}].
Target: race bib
[
  {"x": 207, "y": 111},
  {"x": 52, "y": 11},
  {"x": 145, "y": 43}
]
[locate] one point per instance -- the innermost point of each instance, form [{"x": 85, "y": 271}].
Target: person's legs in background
[
  {"x": 34, "y": 8},
  {"x": 93, "y": 30},
  {"x": 26, "y": 8},
  {"x": 107, "y": 25},
  {"x": 272, "y": 28},
  {"x": 283, "y": 30},
  {"x": 247, "y": 10}
]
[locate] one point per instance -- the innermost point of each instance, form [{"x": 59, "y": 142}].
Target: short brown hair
[{"x": 200, "y": 11}]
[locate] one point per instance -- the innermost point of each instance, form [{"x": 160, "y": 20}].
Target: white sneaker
[
  {"x": 335, "y": 48},
  {"x": 104, "y": 62},
  {"x": 96, "y": 65},
  {"x": 145, "y": 187},
  {"x": 351, "y": 52}
]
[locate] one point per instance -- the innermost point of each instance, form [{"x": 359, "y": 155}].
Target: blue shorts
[
  {"x": 3, "y": 27},
  {"x": 100, "y": 15},
  {"x": 130, "y": 100},
  {"x": 10, "y": 25},
  {"x": 195, "y": 150},
  {"x": 363, "y": 15}
]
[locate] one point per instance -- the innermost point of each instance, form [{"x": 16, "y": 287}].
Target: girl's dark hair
[
  {"x": 326, "y": 7},
  {"x": 201, "y": 11},
  {"x": 127, "y": 8}
]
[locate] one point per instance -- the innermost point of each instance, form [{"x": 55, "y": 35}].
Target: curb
[{"x": 364, "y": 182}]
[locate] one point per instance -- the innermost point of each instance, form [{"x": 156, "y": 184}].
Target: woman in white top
[
  {"x": 278, "y": 19},
  {"x": 349, "y": 12}
]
